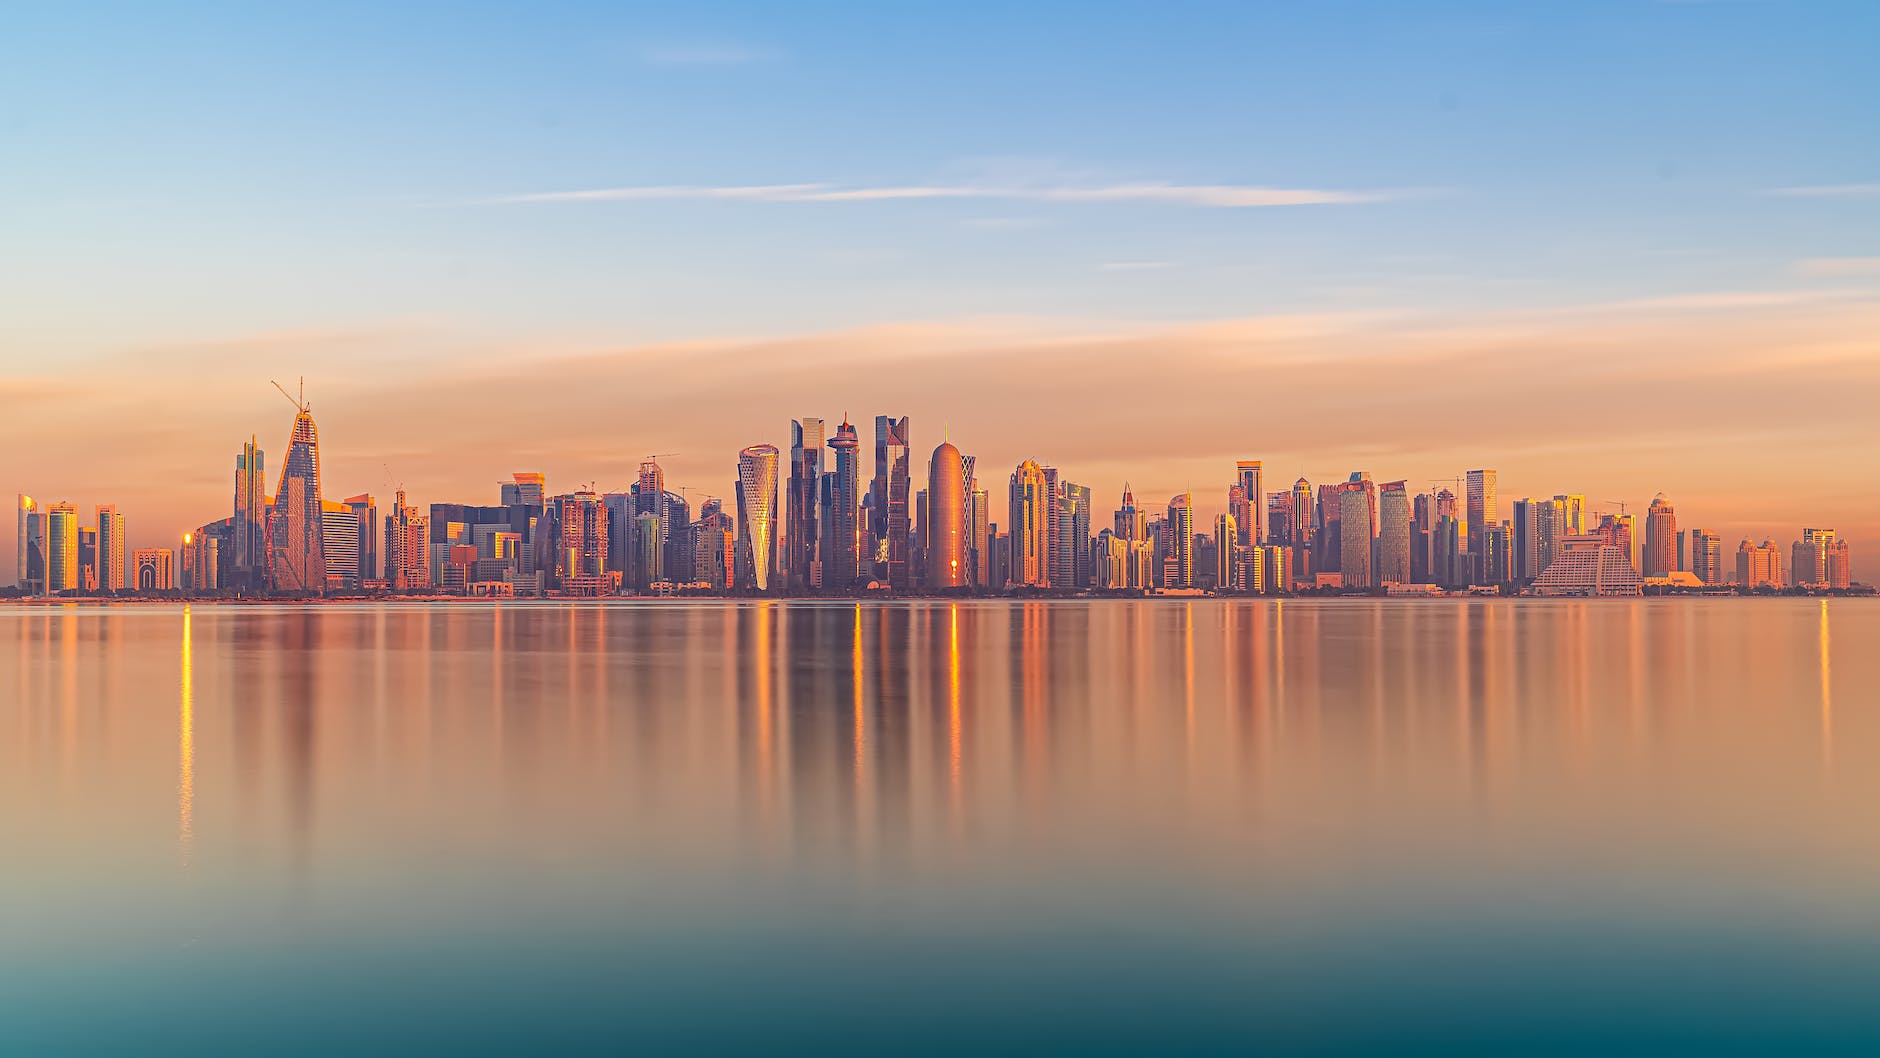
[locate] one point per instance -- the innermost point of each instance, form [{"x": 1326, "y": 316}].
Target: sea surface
[{"x": 1337, "y": 827}]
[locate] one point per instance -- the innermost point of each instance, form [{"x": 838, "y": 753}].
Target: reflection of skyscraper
[
  {"x": 111, "y": 552},
  {"x": 251, "y": 508},
  {"x": 945, "y": 522},
  {"x": 806, "y": 461},
  {"x": 296, "y": 553},
  {"x": 1028, "y": 525},
  {"x": 841, "y": 536},
  {"x": 757, "y": 513}
]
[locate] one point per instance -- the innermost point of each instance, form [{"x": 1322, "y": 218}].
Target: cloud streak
[{"x": 1207, "y": 196}]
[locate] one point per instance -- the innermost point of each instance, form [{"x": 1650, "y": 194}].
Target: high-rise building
[
  {"x": 1758, "y": 565},
  {"x": 1839, "y": 572},
  {"x": 32, "y": 547},
  {"x": 979, "y": 538},
  {"x": 407, "y": 546},
  {"x": 1112, "y": 561},
  {"x": 1355, "y": 536},
  {"x": 296, "y": 561},
  {"x": 581, "y": 558},
  {"x": 1707, "y": 556},
  {"x": 525, "y": 489},
  {"x": 62, "y": 548},
  {"x": 1588, "y": 564},
  {"x": 87, "y": 559},
  {"x": 1661, "y": 539},
  {"x": 1573, "y": 507},
  {"x": 1393, "y": 534},
  {"x": 1181, "y": 530},
  {"x": 1227, "y": 548},
  {"x": 889, "y": 491},
  {"x": 806, "y": 471},
  {"x": 364, "y": 512},
  {"x": 154, "y": 569},
  {"x": 1524, "y": 542},
  {"x": 757, "y": 515},
  {"x": 1550, "y": 528},
  {"x": 1484, "y": 506},
  {"x": 249, "y": 528},
  {"x": 841, "y": 533},
  {"x": 1028, "y": 524},
  {"x": 1072, "y": 553},
  {"x": 1808, "y": 558},
  {"x": 340, "y": 539},
  {"x": 945, "y": 521},
  {"x": 1250, "y": 476},
  {"x": 111, "y": 553},
  {"x": 1327, "y": 545}
]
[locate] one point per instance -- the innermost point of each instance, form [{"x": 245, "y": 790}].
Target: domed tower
[{"x": 946, "y": 520}]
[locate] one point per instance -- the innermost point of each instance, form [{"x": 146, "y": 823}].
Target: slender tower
[
  {"x": 757, "y": 514},
  {"x": 297, "y": 551},
  {"x": 946, "y": 520}
]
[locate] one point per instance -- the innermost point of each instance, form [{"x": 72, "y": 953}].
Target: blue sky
[{"x": 726, "y": 201}]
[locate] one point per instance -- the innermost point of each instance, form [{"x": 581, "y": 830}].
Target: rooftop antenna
[{"x": 300, "y": 405}]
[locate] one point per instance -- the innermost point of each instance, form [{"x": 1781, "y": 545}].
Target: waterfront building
[
  {"x": 1071, "y": 555},
  {"x": 1028, "y": 524},
  {"x": 1524, "y": 541},
  {"x": 342, "y": 544},
  {"x": 889, "y": 492},
  {"x": 1589, "y": 565},
  {"x": 154, "y": 569},
  {"x": 62, "y": 549},
  {"x": 364, "y": 512},
  {"x": 979, "y": 538},
  {"x": 1707, "y": 556},
  {"x": 111, "y": 554},
  {"x": 1838, "y": 570},
  {"x": 1659, "y": 558},
  {"x": 87, "y": 559},
  {"x": 806, "y": 471},
  {"x": 1327, "y": 546},
  {"x": 1227, "y": 552},
  {"x": 757, "y": 516},
  {"x": 1573, "y": 508},
  {"x": 1180, "y": 559},
  {"x": 1484, "y": 506},
  {"x": 945, "y": 520},
  {"x": 1550, "y": 526},
  {"x": 1758, "y": 565},
  {"x": 407, "y": 546},
  {"x": 296, "y": 561},
  {"x": 1808, "y": 558},
  {"x": 1250, "y": 475},
  {"x": 1393, "y": 534},
  {"x": 1355, "y": 536},
  {"x": 1112, "y": 561},
  {"x": 249, "y": 526},
  {"x": 840, "y": 532},
  {"x": 31, "y": 541}
]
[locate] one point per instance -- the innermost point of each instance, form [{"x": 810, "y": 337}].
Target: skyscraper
[
  {"x": 1393, "y": 534},
  {"x": 1484, "y": 506},
  {"x": 806, "y": 463},
  {"x": 581, "y": 557},
  {"x": 945, "y": 521},
  {"x": 525, "y": 488},
  {"x": 1758, "y": 565},
  {"x": 1707, "y": 556},
  {"x": 1524, "y": 544},
  {"x": 1355, "y": 539},
  {"x": 1661, "y": 539},
  {"x": 1573, "y": 506},
  {"x": 1227, "y": 545},
  {"x": 62, "y": 548},
  {"x": 1252, "y": 480},
  {"x": 757, "y": 511},
  {"x": 32, "y": 555},
  {"x": 111, "y": 553},
  {"x": 365, "y": 514},
  {"x": 87, "y": 559},
  {"x": 1028, "y": 524},
  {"x": 1181, "y": 529},
  {"x": 407, "y": 546},
  {"x": 342, "y": 543},
  {"x": 889, "y": 491},
  {"x": 250, "y": 520},
  {"x": 841, "y": 536},
  {"x": 296, "y": 552}
]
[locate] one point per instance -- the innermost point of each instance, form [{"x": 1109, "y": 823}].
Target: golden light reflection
[
  {"x": 861, "y": 739},
  {"x": 764, "y": 733},
  {"x": 1827, "y": 695},
  {"x": 953, "y": 694},
  {"x": 186, "y": 747}
]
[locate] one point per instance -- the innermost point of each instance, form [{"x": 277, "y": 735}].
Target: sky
[{"x": 1611, "y": 248}]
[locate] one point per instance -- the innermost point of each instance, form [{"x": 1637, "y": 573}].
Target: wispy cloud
[
  {"x": 1829, "y": 191},
  {"x": 1839, "y": 266},
  {"x": 1215, "y": 196}
]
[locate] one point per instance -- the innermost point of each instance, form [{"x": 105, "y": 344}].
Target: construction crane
[{"x": 300, "y": 405}]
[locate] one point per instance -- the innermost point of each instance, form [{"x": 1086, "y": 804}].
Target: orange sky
[{"x": 1752, "y": 412}]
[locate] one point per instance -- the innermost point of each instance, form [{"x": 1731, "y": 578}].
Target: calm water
[{"x": 1448, "y": 827}]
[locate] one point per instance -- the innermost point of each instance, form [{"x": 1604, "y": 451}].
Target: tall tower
[
  {"x": 32, "y": 540},
  {"x": 841, "y": 536},
  {"x": 889, "y": 492},
  {"x": 1355, "y": 535},
  {"x": 757, "y": 515},
  {"x": 1251, "y": 477},
  {"x": 251, "y": 507},
  {"x": 296, "y": 557},
  {"x": 1029, "y": 526},
  {"x": 946, "y": 520},
  {"x": 111, "y": 553},
  {"x": 1181, "y": 522},
  {"x": 1484, "y": 507},
  {"x": 1393, "y": 534},
  {"x": 61, "y": 548},
  {"x": 1661, "y": 538},
  {"x": 806, "y": 461}
]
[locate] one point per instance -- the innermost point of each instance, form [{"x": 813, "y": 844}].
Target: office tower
[
  {"x": 1028, "y": 523},
  {"x": 153, "y": 569},
  {"x": 806, "y": 463},
  {"x": 1327, "y": 547},
  {"x": 61, "y": 548},
  {"x": 581, "y": 558},
  {"x": 979, "y": 538},
  {"x": 1661, "y": 534},
  {"x": 1072, "y": 553},
  {"x": 1393, "y": 534},
  {"x": 1181, "y": 541},
  {"x": 296, "y": 560},
  {"x": 364, "y": 512},
  {"x": 1053, "y": 488},
  {"x": 1838, "y": 571},
  {"x": 1808, "y": 558},
  {"x": 1355, "y": 539},
  {"x": 1112, "y": 561},
  {"x": 1302, "y": 519},
  {"x": 714, "y": 552},
  {"x": 1242, "y": 509},
  {"x": 110, "y": 548},
  {"x": 249, "y": 526},
  {"x": 1449, "y": 564},
  {"x": 1492, "y": 561},
  {"x": 1707, "y": 556},
  {"x": 1279, "y": 517},
  {"x": 1550, "y": 528},
  {"x": 945, "y": 520},
  {"x": 1422, "y": 537},
  {"x": 1131, "y": 523},
  {"x": 407, "y": 555},
  {"x": 676, "y": 527},
  {"x": 32, "y": 547},
  {"x": 1252, "y": 480},
  {"x": 525, "y": 489},
  {"x": 889, "y": 492},
  {"x": 1588, "y": 564},
  {"x": 1617, "y": 530},
  {"x": 340, "y": 539},
  {"x": 1484, "y": 507},
  {"x": 1227, "y": 546},
  {"x": 757, "y": 515},
  {"x": 1573, "y": 508},
  {"x": 87, "y": 559},
  {"x": 1524, "y": 541},
  {"x": 841, "y": 538},
  {"x": 1758, "y": 565}
]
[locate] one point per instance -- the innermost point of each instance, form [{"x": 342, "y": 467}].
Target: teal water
[{"x": 1306, "y": 827}]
